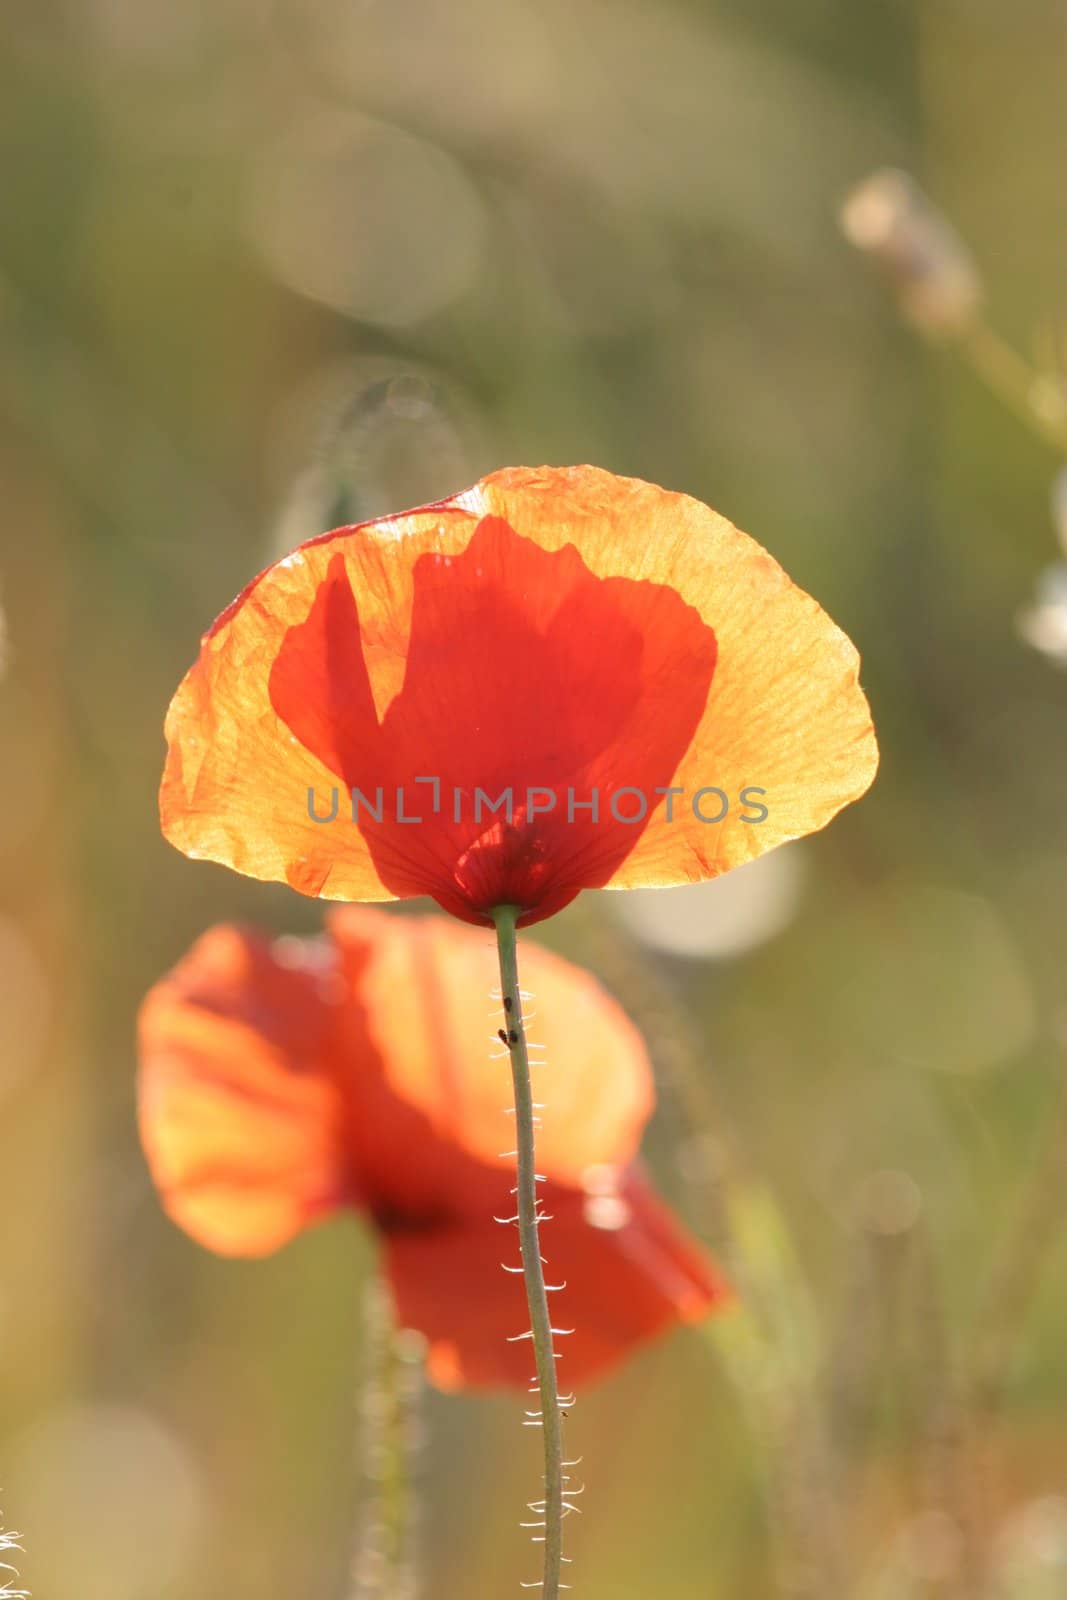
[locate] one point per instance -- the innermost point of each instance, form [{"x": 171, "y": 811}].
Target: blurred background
[{"x": 266, "y": 265}]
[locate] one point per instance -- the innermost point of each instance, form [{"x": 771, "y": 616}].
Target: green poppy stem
[
  {"x": 383, "y": 1558},
  {"x": 529, "y": 1219}
]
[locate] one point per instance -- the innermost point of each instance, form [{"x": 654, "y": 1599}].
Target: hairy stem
[
  {"x": 383, "y": 1565},
  {"x": 529, "y": 1219}
]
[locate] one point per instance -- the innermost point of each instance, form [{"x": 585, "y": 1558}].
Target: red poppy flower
[
  {"x": 572, "y": 680},
  {"x": 284, "y": 1081}
]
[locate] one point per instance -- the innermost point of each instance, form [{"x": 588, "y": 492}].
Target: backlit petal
[
  {"x": 239, "y": 1118},
  {"x": 549, "y": 635},
  {"x": 784, "y": 713},
  {"x": 627, "y": 1278},
  {"x": 282, "y": 1080},
  {"x": 430, "y": 1125}
]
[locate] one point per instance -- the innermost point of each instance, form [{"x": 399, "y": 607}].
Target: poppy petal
[
  {"x": 238, "y": 1115},
  {"x": 282, "y": 1080},
  {"x": 784, "y": 719},
  {"x": 486, "y": 672},
  {"x": 430, "y": 1088},
  {"x": 630, "y": 1273}
]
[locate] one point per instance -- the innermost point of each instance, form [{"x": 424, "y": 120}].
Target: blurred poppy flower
[
  {"x": 282, "y": 1081},
  {"x": 559, "y": 679}
]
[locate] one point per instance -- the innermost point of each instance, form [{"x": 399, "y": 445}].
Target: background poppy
[{"x": 284, "y": 1080}]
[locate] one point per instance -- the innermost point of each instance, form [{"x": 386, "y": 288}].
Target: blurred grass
[{"x": 643, "y": 269}]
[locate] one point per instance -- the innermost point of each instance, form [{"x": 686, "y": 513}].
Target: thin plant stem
[
  {"x": 1035, "y": 398},
  {"x": 383, "y": 1560},
  {"x": 529, "y": 1220},
  {"x": 8, "y": 1542}
]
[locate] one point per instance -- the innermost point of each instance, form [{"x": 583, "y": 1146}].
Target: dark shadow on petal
[{"x": 524, "y": 671}]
